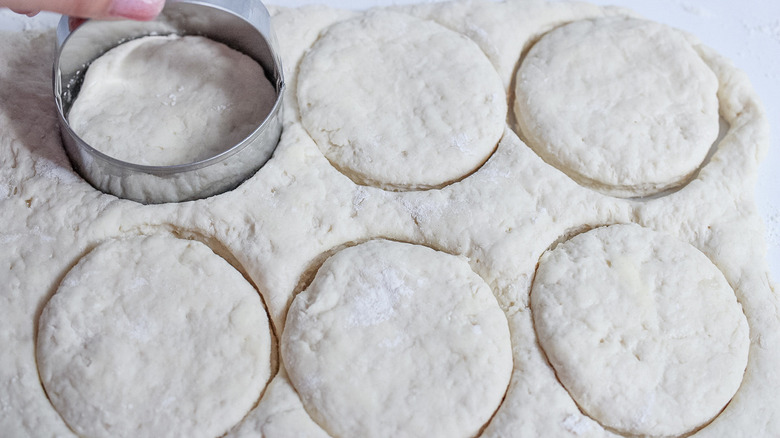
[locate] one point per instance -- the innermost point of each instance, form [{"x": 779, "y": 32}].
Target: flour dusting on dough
[{"x": 382, "y": 291}]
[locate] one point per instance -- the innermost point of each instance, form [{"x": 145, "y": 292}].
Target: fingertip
[
  {"x": 143, "y": 10},
  {"x": 27, "y": 12},
  {"x": 74, "y": 22}
]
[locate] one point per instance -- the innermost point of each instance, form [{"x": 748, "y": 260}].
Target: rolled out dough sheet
[{"x": 299, "y": 211}]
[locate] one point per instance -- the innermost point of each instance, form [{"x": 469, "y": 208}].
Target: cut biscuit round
[
  {"x": 170, "y": 100},
  {"x": 395, "y": 339},
  {"x": 153, "y": 336},
  {"x": 401, "y": 103},
  {"x": 621, "y": 105},
  {"x": 642, "y": 330}
]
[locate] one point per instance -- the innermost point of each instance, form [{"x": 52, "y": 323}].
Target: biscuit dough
[
  {"x": 168, "y": 100},
  {"x": 398, "y": 110},
  {"x": 394, "y": 339},
  {"x": 153, "y": 336},
  {"x": 642, "y": 329},
  {"x": 298, "y": 210},
  {"x": 622, "y": 105}
]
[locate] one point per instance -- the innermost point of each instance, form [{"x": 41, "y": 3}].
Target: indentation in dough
[
  {"x": 621, "y": 105},
  {"x": 153, "y": 336},
  {"x": 394, "y": 339},
  {"x": 642, "y": 329},
  {"x": 401, "y": 103}
]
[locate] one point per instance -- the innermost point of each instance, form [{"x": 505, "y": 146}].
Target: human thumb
[
  {"x": 101, "y": 9},
  {"x": 135, "y": 9}
]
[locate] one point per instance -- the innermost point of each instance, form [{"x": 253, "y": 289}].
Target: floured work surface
[{"x": 435, "y": 252}]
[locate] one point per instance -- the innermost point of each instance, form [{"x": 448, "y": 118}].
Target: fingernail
[
  {"x": 136, "y": 9},
  {"x": 74, "y": 22}
]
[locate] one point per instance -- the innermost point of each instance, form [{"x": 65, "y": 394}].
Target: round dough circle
[
  {"x": 394, "y": 339},
  {"x": 168, "y": 100},
  {"x": 621, "y": 105},
  {"x": 642, "y": 329},
  {"x": 391, "y": 103},
  {"x": 153, "y": 336}
]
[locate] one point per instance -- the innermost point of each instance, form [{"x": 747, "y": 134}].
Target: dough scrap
[
  {"x": 169, "y": 100},
  {"x": 401, "y": 103},
  {"x": 642, "y": 329},
  {"x": 394, "y": 339},
  {"x": 153, "y": 336},
  {"x": 621, "y": 105}
]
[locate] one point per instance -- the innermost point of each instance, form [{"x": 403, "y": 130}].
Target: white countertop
[{"x": 747, "y": 32}]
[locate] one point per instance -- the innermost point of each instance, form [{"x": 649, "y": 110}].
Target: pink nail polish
[{"x": 136, "y": 9}]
